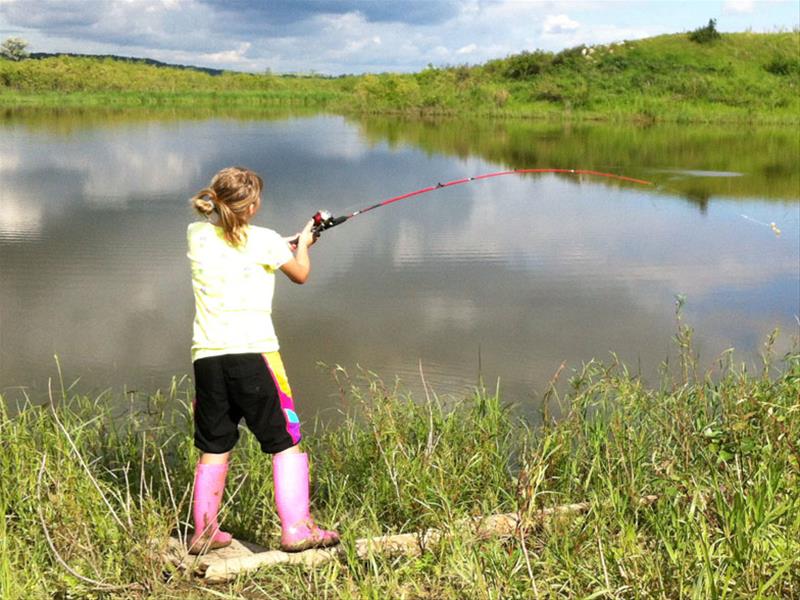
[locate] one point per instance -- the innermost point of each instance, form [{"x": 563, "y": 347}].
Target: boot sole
[
  {"x": 202, "y": 546},
  {"x": 309, "y": 545}
]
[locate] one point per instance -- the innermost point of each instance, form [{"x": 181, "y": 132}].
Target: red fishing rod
[{"x": 324, "y": 220}]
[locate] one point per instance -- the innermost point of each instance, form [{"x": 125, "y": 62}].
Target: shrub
[
  {"x": 550, "y": 91},
  {"x": 501, "y": 97},
  {"x": 707, "y": 34},
  {"x": 527, "y": 64},
  {"x": 783, "y": 65},
  {"x": 571, "y": 57}
]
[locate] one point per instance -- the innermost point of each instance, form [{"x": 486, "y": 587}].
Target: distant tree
[
  {"x": 707, "y": 34},
  {"x": 14, "y": 49}
]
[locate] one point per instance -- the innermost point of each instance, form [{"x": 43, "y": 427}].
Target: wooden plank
[{"x": 243, "y": 557}]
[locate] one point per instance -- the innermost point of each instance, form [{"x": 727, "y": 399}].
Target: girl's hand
[
  {"x": 292, "y": 240},
  {"x": 298, "y": 268},
  {"x": 306, "y": 237}
]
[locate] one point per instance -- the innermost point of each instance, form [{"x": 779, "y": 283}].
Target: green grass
[
  {"x": 110, "y": 479},
  {"x": 738, "y": 78}
]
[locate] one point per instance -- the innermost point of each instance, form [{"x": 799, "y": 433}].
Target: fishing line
[
  {"x": 324, "y": 220},
  {"x": 771, "y": 225}
]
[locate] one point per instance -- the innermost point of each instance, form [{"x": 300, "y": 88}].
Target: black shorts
[{"x": 250, "y": 386}]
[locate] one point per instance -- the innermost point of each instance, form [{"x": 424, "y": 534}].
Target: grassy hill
[
  {"x": 129, "y": 59},
  {"x": 738, "y": 77},
  {"x": 741, "y": 77}
]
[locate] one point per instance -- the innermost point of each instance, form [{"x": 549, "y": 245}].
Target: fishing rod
[{"x": 323, "y": 219}]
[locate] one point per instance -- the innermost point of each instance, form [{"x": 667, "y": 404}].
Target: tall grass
[{"x": 100, "y": 483}]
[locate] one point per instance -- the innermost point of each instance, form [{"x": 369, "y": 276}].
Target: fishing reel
[{"x": 322, "y": 220}]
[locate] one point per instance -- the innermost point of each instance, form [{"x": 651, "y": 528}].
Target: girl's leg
[
  {"x": 209, "y": 483},
  {"x": 298, "y": 529},
  {"x": 206, "y": 458},
  {"x": 273, "y": 420},
  {"x": 216, "y": 431}
]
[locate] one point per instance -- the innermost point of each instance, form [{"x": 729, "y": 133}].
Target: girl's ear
[{"x": 253, "y": 208}]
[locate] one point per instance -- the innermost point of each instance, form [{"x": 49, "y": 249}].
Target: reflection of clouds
[
  {"x": 333, "y": 139},
  {"x": 106, "y": 167},
  {"x": 145, "y": 296},
  {"x": 446, "y": 312},
  {"x": 19, "y": 219},
  {"x": 9, "y": 160},
  {"x": 599, "y": 238},
  {"x": 146, "y": 171},
  {"x": 406, "y": 247}
]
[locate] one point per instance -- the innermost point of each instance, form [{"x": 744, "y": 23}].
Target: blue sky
[{"x": 357, "y": 36}]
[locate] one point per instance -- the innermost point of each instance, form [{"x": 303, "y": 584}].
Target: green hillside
[
  {"x": 738, "y": 77},
  {"x": 742, "y": 77}
]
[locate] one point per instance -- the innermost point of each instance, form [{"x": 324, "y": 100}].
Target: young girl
[{"x": 237, "y": 368}]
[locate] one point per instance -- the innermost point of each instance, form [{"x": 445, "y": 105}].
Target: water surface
[{"x": 506, "y": 278}]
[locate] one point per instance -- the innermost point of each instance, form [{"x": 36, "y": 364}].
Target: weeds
[{"x": 92, "y": 489}]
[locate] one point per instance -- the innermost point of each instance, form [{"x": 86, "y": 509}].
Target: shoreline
[{"x": 267, "y": 102}]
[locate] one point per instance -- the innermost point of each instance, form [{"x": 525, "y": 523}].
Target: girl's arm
[{"x": 299, "y": 267}]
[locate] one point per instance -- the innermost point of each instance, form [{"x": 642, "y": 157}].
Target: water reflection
[
  {"x": 768, "y": 158},
  {"x": 525, "y": 271}
]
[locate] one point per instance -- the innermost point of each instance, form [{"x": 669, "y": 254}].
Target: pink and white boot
[
  {"x": 298, "y": 529},
  {"x": 209, "y": 483}
]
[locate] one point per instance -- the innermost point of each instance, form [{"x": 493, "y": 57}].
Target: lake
[{"x": 504, "y": 279}]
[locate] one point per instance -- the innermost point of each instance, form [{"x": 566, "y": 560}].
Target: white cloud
[
  {"x": 214, "y": 32},
  {"x": 230, "y": 57},
  {"x": 344, "y": 22},
  {"x": 739, "y": 6},
  {"x": 555, "y": 24},
  {"x": 440, "y": 52}
]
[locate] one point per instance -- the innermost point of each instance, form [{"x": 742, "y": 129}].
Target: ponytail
[
  {"x": 204, "y": 201},
  {"x": 232, "y": 193}
]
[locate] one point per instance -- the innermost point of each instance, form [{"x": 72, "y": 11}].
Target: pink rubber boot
[
  {"x": 209, "y": 483},
  {"x": 298, "y": 530}
]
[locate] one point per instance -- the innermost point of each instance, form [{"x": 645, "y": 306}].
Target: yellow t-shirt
[{"x": 233, "y": 288}]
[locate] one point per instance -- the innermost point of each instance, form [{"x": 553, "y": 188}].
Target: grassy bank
[
  {"x": 739, "y": 77},
  {"x": 743, "y": 77},
  {"x": 103, "y": 487}
]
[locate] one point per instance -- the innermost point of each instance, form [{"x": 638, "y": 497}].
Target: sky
[{"x": 335, "y": 37}]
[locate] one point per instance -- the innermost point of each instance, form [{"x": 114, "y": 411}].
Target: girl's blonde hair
[{"x": 231, "y": 194}]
